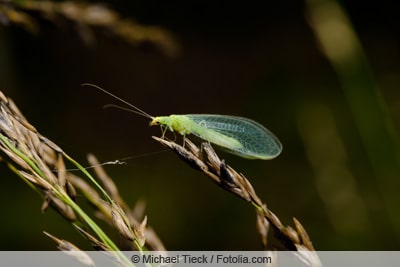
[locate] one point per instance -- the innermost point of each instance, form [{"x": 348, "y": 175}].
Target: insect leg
[
  {"x": 174, "y": 135},
  {"x": 163, "y": 131},
  {"x": 201, "y": 146}
]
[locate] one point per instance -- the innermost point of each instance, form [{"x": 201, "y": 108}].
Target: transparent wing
[{"x": 257, "y": 141}]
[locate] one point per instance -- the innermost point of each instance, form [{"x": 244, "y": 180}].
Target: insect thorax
[{"x": 178, "y": 123}]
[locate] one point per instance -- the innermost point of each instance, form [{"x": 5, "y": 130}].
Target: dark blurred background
[{"x": 322, "y": 75}]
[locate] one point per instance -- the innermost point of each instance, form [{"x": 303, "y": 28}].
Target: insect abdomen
[{"x": 211, "y": 135}]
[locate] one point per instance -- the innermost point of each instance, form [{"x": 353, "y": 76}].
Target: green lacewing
[{"x": 237, "y": 135}]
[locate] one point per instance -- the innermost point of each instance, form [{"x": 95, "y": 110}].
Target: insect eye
[{"x": 154, "y": 122}]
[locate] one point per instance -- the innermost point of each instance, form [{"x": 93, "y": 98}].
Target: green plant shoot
[{"x": 240, "y": 136}]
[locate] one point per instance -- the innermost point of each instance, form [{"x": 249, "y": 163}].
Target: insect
[{"x": 240, "y": 136}]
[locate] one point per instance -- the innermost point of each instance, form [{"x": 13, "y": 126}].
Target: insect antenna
[
  {"x": 126, "y": 109},
  {"x": 135, "y": 110}
]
